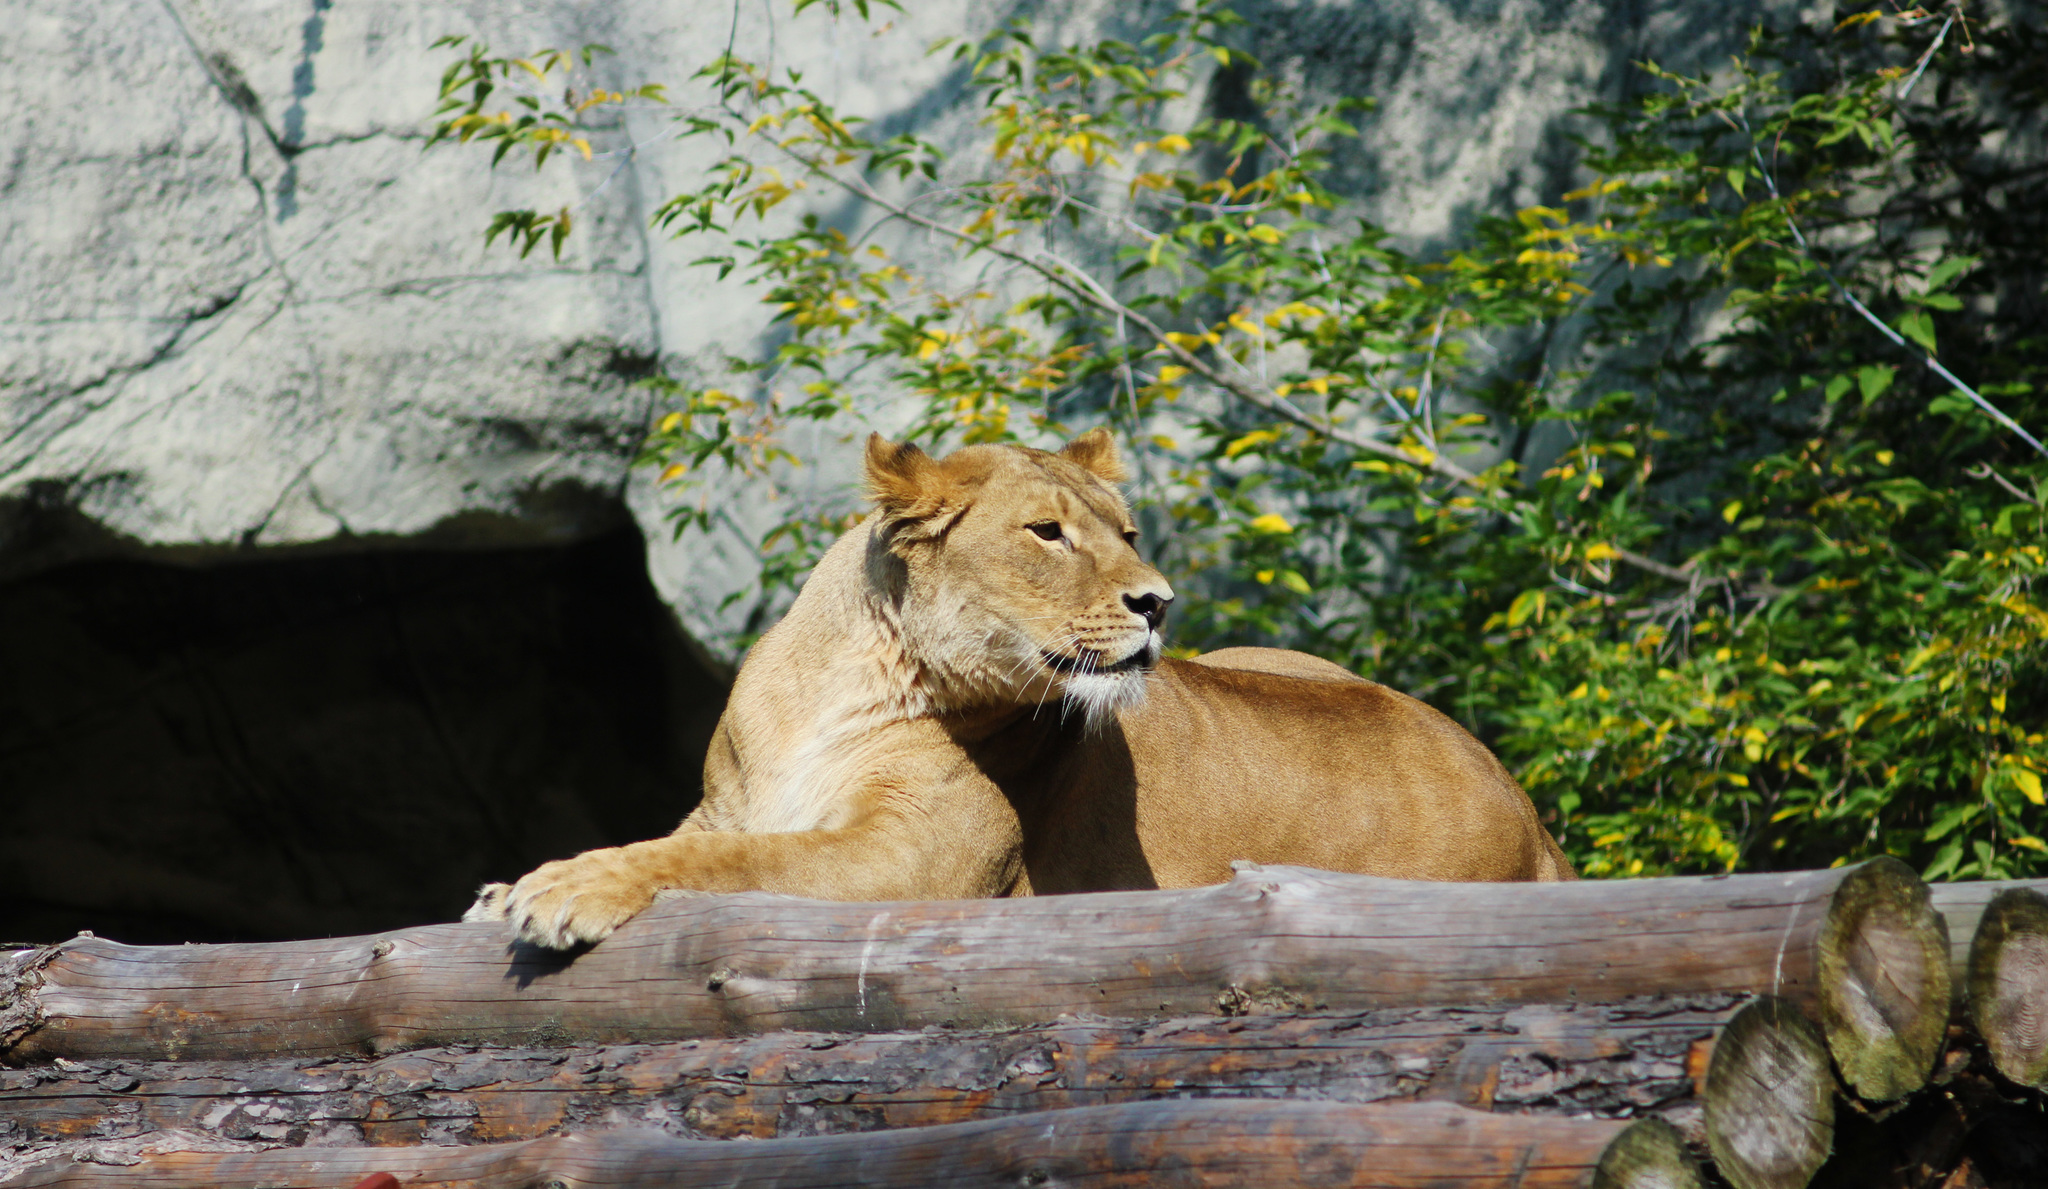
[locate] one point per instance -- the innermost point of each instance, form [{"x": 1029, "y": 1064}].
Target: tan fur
[{"x": 957, "y": 707}]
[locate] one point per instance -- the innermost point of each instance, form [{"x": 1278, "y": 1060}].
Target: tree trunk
[
  {"x": 2008, "y": 984},
  {"x": 1861, "y": 948},
  {"x": 1643, "y": 1057},
  {"x": 1217, "y": 1143},
  {"x": 1770, "y": 1099}
]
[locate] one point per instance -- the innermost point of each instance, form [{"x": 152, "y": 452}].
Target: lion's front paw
[
  {"x": 572, "y": 901},
  {"x": 490, "y": 903}
]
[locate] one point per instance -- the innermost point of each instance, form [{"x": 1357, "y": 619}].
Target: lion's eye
[
  {"x": 1047, "y": 530},
  {"x": 1131, "y": 538}
]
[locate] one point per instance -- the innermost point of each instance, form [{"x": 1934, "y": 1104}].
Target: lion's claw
[
  {"x": 490, "y": 903},
  {"x": 577, "y": 901}
]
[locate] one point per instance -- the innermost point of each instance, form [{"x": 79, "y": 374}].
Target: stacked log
[{"x": 1343, "y": 1029}]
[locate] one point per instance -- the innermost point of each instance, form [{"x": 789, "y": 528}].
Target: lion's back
[{"x": 1283, "y": 758}]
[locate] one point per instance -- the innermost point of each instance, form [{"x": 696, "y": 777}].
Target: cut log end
[
  {"x": 2008, "y": 984},
  {"x": 1649, "y": 1155},
  {"x": 1884, "y": 988},
  {"x": 1770, "y": 1098}
]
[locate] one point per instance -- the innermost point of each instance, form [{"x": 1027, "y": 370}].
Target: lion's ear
[
  {"x": 916, "y": 500},
  {"x": 1096, "y": 452},
  {"x": 900, "y": 476}
]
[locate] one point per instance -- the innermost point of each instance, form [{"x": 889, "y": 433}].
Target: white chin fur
[{"x": 1100, "y": 696}]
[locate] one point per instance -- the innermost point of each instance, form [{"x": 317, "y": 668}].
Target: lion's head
[{"x": 1013, "y": 574}]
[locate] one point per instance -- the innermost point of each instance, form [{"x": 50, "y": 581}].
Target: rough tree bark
[
  {"x": 1215, "y": 1143},
  {"x": 1860, "y": 948},
  {"x": 1642, "y": 1057}
]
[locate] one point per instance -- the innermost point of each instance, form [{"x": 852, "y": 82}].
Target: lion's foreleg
[{"x": 573, "y": 901}]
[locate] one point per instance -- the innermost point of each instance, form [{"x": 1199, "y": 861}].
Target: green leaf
[
  {"x": 1874, "y": 379},
  {"x": 1918, "y": 325},
  {"x": 1948, "y": 270}
]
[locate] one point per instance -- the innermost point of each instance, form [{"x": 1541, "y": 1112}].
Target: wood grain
[
  {"x": 2008, "y": 984},
  {"x": 1962, "y": 906},
  {"x": 1193, "y": 1143},
  {"x": 1770, "y": 1099}
]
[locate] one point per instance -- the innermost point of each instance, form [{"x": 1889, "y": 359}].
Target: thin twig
[
  {"x": 1983, "y": 470},
  {"x": 1925, "y": 59}
]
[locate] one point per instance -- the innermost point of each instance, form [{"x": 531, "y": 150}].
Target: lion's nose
[{"x": 1149, "y": 606}]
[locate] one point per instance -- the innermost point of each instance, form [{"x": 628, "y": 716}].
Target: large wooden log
[
  {"x": 2008, "y": 984},
  {"x": 1214, "y": 1143},
  {"x": 1637, "y": 1058},
  {"x": 1962, "y": 906},
  {"x": 1860, "y": 948},
  {"x": 1770, "y": 1099}
]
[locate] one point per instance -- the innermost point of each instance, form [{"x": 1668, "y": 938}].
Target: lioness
[{"x": 967, "y": 699}]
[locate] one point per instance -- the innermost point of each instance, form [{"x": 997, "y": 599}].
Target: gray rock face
[
  {"x": 240, "y": 309},
  {"x": 243, "y": 310}
]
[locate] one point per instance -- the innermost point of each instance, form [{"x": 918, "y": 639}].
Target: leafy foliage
[{"x": 1672, "y": 490}]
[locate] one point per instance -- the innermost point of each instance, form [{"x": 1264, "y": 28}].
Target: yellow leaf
[
  {"x": 1577, "y": 693},
  {"x": 1526, "y": 604},
  {"x": 2028, "y": 782},
  {"x": 1299, "y": 309},
  {"x": 1998, "y": 701},
  {"x": 1272, "y": 522},
  {"x": 674, "y": 470},
  {"x": 1252, "y": 440},
  {"x": 1173, "y": 142},
  {"x": 1601, "y": 551},
  {"x": 1420, "y": 454},
  {"x": 1596, "y": 190},
  {"x": 1884, "y": 458},
  {"x": 669, "y": 423},
  {"x": 1265, "y": 577},
  {"x": 1608, "y": 839},
  {"x": 1861, "y": 18},
  {"x": 1733, "y": 510},
  {"x": 1737, "y": 779},
  {"x": 1171, "y": 372},
  {"x": 2030, "y": 842},
  {"x": 1264, "y": 234}
]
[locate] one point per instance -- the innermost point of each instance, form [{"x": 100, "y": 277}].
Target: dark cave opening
[{"x": 307, "y": 746}]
